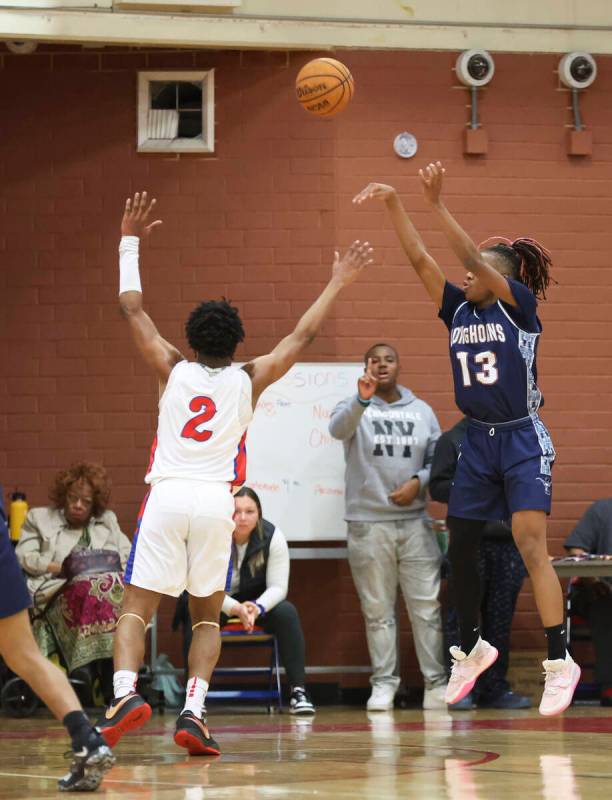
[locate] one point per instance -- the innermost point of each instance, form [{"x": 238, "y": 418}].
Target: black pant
[
  {"x": 502, "y": 573},
  {"x": 283, "y": 621},
  {"x": 598, "y": 611}
]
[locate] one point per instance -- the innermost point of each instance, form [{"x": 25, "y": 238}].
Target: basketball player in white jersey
[{"x": 184, "y": 532}]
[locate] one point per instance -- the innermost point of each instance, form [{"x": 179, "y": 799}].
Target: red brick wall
[{"x": 258, "y": 222}]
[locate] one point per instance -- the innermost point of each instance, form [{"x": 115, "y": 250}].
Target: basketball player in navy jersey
[
  {"x": 504, "y": 469},
  {"x": 184, "y": 535},
  {"x": 91, "y": 755}
]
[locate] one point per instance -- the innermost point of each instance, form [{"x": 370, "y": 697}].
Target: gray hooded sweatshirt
[{"x": 385, "y": 444}]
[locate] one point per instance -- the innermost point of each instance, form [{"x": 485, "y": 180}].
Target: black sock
[
  {"x": 469, "y": 637},
  {"x": 79, "y": 729},
  {"x": 557, "y": 641}
]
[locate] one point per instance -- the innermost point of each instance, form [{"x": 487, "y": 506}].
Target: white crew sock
[
  {"x": 195, "y": 696},
  {"x": 124, "y": 682}
]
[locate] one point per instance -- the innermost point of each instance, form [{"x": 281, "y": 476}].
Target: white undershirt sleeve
[
  {"x": 129, "y": 276},
  {"x": 277, "y": 572},
  {"x": 228, "y": 604}
]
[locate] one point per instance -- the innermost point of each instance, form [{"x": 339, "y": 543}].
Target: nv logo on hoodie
[{"x": 389, "y": 434}]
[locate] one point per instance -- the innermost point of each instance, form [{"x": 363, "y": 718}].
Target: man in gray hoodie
[{"x": 389, "y": 437}]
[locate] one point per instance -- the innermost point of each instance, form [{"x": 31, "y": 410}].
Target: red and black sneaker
[
  {"x": 193, "y": 734},
  {"x": 124, "y": 714}
]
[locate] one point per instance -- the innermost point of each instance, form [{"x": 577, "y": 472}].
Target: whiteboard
[{"x": 293, "y": 463}]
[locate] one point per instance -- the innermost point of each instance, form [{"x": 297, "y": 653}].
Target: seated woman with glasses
[{"x": 73, "y": 553}]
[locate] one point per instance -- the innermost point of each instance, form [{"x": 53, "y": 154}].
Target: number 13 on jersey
[{"x": 487, "y": 361}]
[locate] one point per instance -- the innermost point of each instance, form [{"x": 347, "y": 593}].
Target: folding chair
[{"x": 234, "y": 636}]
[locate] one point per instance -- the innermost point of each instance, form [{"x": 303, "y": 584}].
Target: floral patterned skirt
[{"x": 80, "y": 620}]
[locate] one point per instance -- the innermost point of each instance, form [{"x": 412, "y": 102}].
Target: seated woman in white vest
[{"x": 258, "y": 590}]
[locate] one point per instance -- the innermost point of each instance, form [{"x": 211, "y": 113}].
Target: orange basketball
[{"x": 324, "y": 86}]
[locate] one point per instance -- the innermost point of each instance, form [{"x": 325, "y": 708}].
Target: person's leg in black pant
[
  {"x": 463, "y": 554},
  {"x": 475, "y": 654},
  {"x": 504, "y": 573},
  {"x": 284, "y": 622},
  {"x": 452, "y": 636},
  {"x": 450, "y": 621},
  {"x": 600, "y": 620}
]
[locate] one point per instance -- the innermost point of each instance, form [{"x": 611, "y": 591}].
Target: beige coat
[{"x": 46, "y": 537}]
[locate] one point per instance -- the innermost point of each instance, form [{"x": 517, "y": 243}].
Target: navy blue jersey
[
  {"x": 493, "y": 354},
  {"x": 14, "y": 594}
]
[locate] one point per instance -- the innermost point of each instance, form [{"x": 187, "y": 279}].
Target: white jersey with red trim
[{"x": 201, "y": 432}]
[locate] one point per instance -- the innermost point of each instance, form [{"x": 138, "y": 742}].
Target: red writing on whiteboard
[
  {"x": 320, "y": 412},
  {"x": 267, "y": 407},
  {"x": 328, "y": 490},
  {"x": 264, "y": 487},
  {"x": 319, "y": 438}
]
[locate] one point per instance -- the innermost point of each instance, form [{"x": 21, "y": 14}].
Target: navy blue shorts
[
  {"x": 503, "y": 468},
  {"x": 14, "y": 594}
]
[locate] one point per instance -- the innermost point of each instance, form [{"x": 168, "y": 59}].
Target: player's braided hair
[
  {"x": 214, "y": 328},
  {"x": 530, "y": 262}
]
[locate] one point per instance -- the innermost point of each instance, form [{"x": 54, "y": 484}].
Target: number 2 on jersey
[
  {"x": 208, "y": 409},
  {"x": 489, "y": 372}
]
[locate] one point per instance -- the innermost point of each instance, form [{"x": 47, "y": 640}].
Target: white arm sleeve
[
  {"x": 129, "y": 276},
  {"x": 277, "y": 572},
  {"x": 228, "y": 604}
]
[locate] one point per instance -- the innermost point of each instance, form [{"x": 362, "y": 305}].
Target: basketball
[{"x": 324, "y": 86}]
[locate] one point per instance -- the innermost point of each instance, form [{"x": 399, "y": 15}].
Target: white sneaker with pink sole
[
  {"x": 562, "y": 676},
  {"x": 467, "y": 667}
]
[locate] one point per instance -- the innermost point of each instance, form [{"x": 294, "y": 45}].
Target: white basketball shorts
[{"x": 183, "y": 538}]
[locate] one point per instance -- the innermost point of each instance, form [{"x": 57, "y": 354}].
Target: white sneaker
[
  {"x": 381, "y": 698},
  {"x": 435, "y": 697},
  {"x": 467, "y": 668},
  {"x": 562, "y": 676}
]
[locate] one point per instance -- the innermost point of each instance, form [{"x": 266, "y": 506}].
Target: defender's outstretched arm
[
  {"x": 267, "y": 369},
  {"x": 159, "y": 354}
]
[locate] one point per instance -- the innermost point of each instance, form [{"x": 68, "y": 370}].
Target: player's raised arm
[
  {"x": 267, "y": 369},
  {"x": 159, "y": 354},
  {"x": 424, "y": 265},
  {"x": 461, "y": 244}
]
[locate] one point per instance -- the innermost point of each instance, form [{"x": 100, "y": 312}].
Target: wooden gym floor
[{"x": 342, "y": 753}]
